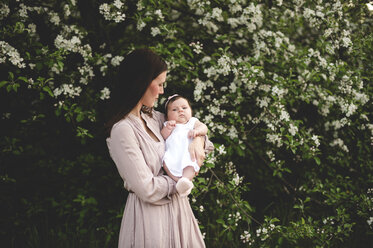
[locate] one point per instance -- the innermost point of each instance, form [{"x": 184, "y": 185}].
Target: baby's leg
[
  {"x": 189, "y": 172},
  {"x": 184, "y": 186},
  {"x": 169, "y": 173}
]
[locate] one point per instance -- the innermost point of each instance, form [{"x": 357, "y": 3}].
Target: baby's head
[{"x": 178, "y": 109}]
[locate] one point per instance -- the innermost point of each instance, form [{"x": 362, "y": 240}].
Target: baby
[{"x": 178, "y": 131}]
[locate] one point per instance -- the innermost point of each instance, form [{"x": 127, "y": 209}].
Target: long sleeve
[{"x": 125, "y": 151}]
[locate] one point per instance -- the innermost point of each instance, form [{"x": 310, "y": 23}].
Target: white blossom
[
  {"x": 271, "y": 155},
  {"x": 4, "y": 11},
  {"x": 118, "y": 3},
  {"x": 274, "y": 139},
  {"x": 54, "y": 18},
  {"x": 105, "y": 93},
  {"x": 69, "y": 45},
  {"x": 159, "y": 14},
  {"x": 263, "y": 102},
  {"x": 14, "y": 57},
  {"x": 112, "y": 14},
  {"x": 66, "y": 9},
  {"x": 315, "y": 138},
  {"x": 221, "y": 150},
  {"x": 217, "y": 14},
  {"x": 31, "y": 28},
  {"x": 22, "y": 12},
  {"x": 197, "y": 47},
  {"x": 370, "y": 220},
  {"x": 293, "y": 129},
  {"x": 67, "y": 90},
  {"x": 339, "y": 142},
  {"x": 140, "y": 24},
  {"x": 115, "y": 61},
  {"x": 284, "y": 115},
  {"x": 232, "y": 133},
  {"x": 236, "y": 179},
  {"x": 370, "y": 6},
  {"x": 155, "y": 31}
]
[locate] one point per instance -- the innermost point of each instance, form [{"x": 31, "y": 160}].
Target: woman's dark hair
[
  {"x": 171, "y": 100},
  {"x": 135, "y": 74}
]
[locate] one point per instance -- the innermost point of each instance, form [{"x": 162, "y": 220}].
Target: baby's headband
[{"x": 168, "y": 99}]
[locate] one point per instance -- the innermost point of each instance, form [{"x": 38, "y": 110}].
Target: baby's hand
[
  {"x": 192, "y": 134},
  {"x": 171, "y": 124}
]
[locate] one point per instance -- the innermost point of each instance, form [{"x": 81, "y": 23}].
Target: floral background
[{"x": 285, "y": 88}]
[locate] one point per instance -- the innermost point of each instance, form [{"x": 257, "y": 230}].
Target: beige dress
[{"x": 154, "y": 215}]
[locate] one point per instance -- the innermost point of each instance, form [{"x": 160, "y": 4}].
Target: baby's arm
[
  {"x": 200, "y": 129},
  {"x": 167, "y": 129}
]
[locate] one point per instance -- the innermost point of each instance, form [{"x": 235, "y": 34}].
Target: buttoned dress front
[{"x": 154, "y": 215}]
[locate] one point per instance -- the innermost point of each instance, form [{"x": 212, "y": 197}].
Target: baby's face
[{"x": 179, "y": 111}]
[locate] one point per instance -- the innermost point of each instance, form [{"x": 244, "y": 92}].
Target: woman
[{"x": 154, "y": 216}]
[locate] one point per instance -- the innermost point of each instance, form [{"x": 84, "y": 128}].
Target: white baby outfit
[{"x": 177, "y": 156}]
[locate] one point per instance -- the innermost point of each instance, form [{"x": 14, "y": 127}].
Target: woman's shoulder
[{"x": 123, "y": 126}]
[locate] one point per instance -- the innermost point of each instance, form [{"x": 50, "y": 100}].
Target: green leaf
[
  {"x": 220, "y": 221},
  {"x": 48, "y": 90},
  {"x": 15, "y": 87},
  {"x": 60, "y": 64},
  {"x": 79, "y": 117},
  {"x": 11, "y": 76},
  {"x": 24, "y": 79},
  {"x": 3, "y": 83},
  {"x": 9, "y": 87},
  {"x": 58, "y": 112},
  {"x": 317, "y": 160}
]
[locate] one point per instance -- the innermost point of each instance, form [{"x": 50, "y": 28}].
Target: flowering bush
[{"x": 284, "y": 87}]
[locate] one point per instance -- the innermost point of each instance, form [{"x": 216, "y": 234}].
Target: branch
[{"x": 237, "y": 204}]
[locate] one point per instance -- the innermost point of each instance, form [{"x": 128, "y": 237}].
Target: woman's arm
[
  {"x": 201, "y": 145},
  {"x": 200, "y": 129},
  {"x": 128, "y": 157},
  {"x": 196, "y": 150}
]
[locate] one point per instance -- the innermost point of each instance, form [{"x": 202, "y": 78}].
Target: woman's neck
[{"x": 136, "y": 110}]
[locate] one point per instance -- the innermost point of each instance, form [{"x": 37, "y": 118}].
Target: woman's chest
[{"x": 152, "y": 151}]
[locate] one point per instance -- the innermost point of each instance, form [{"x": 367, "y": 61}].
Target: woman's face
[
  {"x": 154, "y": 89},
  {"x": 179, "y": 110}
]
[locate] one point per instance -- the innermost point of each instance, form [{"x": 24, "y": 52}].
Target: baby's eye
[{"x": 184, "y": 107}]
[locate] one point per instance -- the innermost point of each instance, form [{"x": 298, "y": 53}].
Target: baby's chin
[{"x": 182, "y": 121}]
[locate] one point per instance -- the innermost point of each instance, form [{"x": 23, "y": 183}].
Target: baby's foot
[{"x": 184, "y": 186}]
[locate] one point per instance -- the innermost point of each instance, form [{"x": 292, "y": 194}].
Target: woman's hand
[{"x": 196, "y": 150}]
